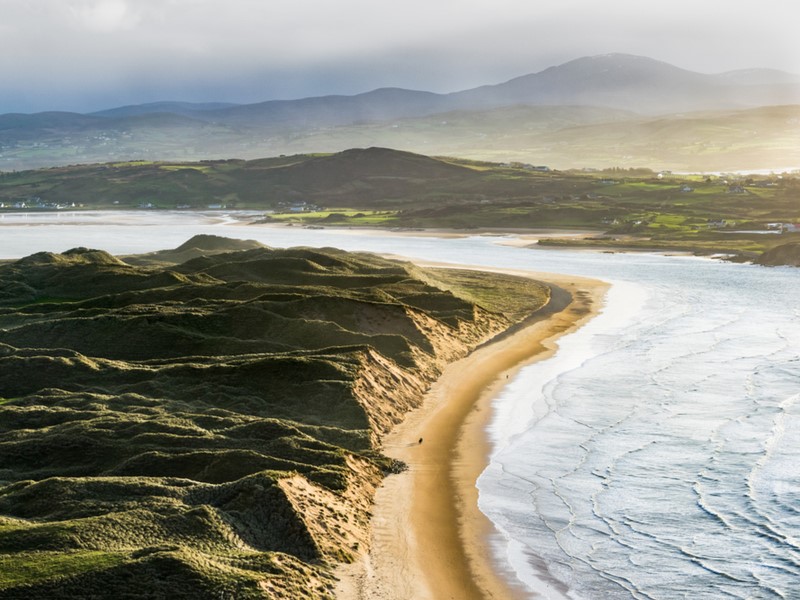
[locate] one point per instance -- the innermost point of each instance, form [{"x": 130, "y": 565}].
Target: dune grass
[
  {"x": 160, "y": 415},
  {"x": 20, "y": 568}
]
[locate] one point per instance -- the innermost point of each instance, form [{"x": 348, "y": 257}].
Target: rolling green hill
[
  {"x": 352, "y": 178},
  {"x": 378, "y": 187},
  {"x": 212, "y": 428}
]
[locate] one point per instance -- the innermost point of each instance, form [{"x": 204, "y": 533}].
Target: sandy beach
[{"x": 429, "y": 540}]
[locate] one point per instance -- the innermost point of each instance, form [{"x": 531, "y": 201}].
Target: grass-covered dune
[
  {"x": 211, "y": 428},
  {"x": 785, "y": 254}
]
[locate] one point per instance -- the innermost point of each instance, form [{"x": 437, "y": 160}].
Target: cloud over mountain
[{"x": 87, "y": 54}]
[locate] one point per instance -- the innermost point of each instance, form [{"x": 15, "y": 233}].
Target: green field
[{"x": 385, "y": 188}]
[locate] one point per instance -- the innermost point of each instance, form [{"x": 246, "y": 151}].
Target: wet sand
[{"x": 429, "y": 539}]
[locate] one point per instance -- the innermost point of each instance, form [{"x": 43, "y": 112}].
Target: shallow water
[
  {"x": 654, "y": 456},
  {"x": 659, "y": 449}
]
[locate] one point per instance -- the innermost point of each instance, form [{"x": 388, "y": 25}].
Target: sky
[{"x": 85, "y": 55}]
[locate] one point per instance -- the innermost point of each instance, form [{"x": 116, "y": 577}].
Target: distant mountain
[
  {"x": 13, "y": 122},
  {"x": 494, "y": 119},
  {"x": 177, "y": 108},
  {"x": 636, "y": 83},
  {"x": 759, "y": 77},
  {"x": 330, "y": 111},
  {"x": 619, "y": 81},
  {"x": 615, "y": 80}
]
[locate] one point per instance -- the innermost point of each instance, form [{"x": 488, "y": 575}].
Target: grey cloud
[{"x": 78, "y": 53}]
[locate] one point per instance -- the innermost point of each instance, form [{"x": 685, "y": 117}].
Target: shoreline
[
  {"x": 429, "y": 539},
  {"x": 517, "y": 237},
  {"x": 529, "y": 238}
]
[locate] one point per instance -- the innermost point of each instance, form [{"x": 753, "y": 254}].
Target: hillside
[
  {"x": 358, "y": 173},
  {"x": 630, "y": 90},
  {"x": 197, "y": 246},
  {"x": 212, "y": 428},
  {"x": 379, "y": 187},
  {"x": 782, "y": 255},
  {"x": 349, "y": 178}
]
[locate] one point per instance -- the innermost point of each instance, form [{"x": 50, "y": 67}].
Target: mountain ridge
[
  {"x": 169, "y": 106},
  {"x": 571, "y": 74},
  {"x": 411, "y": 119}
]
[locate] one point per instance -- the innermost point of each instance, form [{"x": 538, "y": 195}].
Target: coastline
[{"x": 429, "y": 539}]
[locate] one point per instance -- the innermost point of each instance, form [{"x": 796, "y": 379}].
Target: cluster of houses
[
  {"x": 36, "y": 203},
  {"x": 150, "y": 206},
  {"x": 296, "y": 207},
  {"x": 731, "y": 189},
  {"x": 717, "y": 223},
  {"x": 784, "y": 227},
  {"x": 781, "y": 227},
  {"x": 526, "y": 167}
]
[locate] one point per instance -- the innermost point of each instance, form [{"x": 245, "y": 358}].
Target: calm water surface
[{"x": 656, "y": 455}]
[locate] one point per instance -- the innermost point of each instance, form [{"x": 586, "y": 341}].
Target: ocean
[{"x": 654, "y": 456}]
